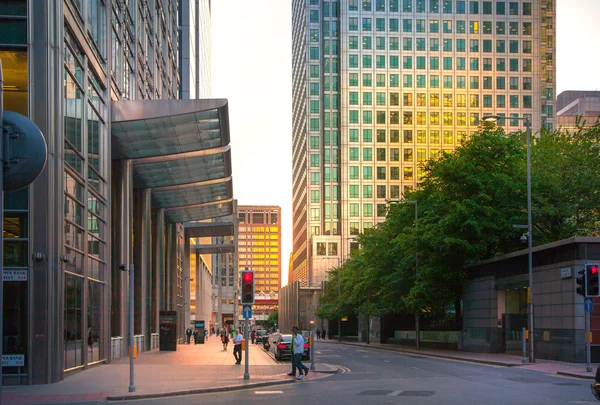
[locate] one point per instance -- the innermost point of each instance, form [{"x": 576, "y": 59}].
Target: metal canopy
[
  {"x": 202, "y": 211},
  {"x": 180, "y": 149},
  {"x": 205, "y": 229}
]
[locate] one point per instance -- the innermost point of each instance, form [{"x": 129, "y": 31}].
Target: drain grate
[
  {"x": 567, "y": 384},
  {"x": 526, "y": 380},
  {"x": 376, "y": 392},
  {"x": 416, "y": 393},
  {"x": 416, "y": 357}
]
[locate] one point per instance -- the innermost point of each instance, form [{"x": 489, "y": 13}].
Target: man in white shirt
[
  {"x": 237, "y": 346},
  {"x": 298, "y": 343}
]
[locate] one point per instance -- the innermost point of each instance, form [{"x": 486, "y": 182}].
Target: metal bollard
[{"x": 524, "y": 340}]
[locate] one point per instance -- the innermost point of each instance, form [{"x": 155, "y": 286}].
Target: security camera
[
  {"x": 524, "y": 238},
  {"x": 123, "y": 267}
]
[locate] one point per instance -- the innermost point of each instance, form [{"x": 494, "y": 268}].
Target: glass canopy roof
[{"x": 180, "y": 149}]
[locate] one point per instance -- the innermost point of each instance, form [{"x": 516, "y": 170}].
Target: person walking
[
  {"x": 237, "y": 347},
  {"x": 224, "y": 339},
  {"x": 298, "y": 345},
  {"x": 323, "y": 333},
  {"x": 318, "y": 334},
  {"x": 188, "y": 334},
  {"x": 253, "y": 335}
]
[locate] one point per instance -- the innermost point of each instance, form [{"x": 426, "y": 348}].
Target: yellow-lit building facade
[{"x": 259, "y": 245}]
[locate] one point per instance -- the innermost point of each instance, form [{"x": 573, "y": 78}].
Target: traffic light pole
[
  {"x": 588, "y": 342},
  {"x": 246, "y": 372}
]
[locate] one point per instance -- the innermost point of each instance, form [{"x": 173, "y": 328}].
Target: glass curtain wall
[
  {"x": 86, "y": 213},
  {"x": 13, "y": 54}
]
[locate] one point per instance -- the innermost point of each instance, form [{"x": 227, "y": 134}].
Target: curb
[
  {"x": 440, "y": 356},
  {"x": 198, "y": 391},
  {"x": 569, "y": 374}
]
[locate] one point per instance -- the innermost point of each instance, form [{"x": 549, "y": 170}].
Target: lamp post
[
  {"x": 527, "y": 120},
  {"x": 417, "y": 317}
]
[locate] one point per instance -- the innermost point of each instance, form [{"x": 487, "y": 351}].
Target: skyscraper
[{"x": 381, "y": 86}]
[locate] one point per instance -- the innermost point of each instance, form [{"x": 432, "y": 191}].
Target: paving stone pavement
[{"x": 189, "y": 369}]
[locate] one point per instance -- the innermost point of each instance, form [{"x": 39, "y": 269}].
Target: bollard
[{"x": 524, "y": 340}]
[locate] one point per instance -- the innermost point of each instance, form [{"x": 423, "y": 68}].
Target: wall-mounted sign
[
  {"x": 565, "y": 273},
  {"x": 14, "y": 275},
  {"x": 11, "y": 360}
]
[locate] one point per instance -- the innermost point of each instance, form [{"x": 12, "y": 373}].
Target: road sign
[
  {"x": 247, "y": 311},
  {"x": 588, "y": 304}
]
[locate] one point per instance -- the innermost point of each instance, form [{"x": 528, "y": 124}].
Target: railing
[
  {"x": 154, "y": 341},
  {"x": 116, "y": 347}
]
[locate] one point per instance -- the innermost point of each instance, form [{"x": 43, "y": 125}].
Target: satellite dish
[{"x": 25, "y": 151}]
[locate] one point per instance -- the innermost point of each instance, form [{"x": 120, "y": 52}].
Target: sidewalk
[
  {"x": 189, "y": 370},
  {"x": 498, "y": 359}
]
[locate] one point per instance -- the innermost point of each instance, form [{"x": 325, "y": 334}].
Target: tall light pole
[
  {"x": 417, "y": 317},
  {"x": 527, "y": 120}
]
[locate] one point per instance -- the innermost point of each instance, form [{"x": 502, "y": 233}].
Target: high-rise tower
[{"x": 381, "y": 86}]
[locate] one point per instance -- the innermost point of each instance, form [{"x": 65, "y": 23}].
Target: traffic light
[
  {"x": 591, "y": 280},
  {"x": 247, "y": 294},
  {"x": 581, "y": 282}
]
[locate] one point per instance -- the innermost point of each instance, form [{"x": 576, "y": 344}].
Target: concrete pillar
[
  {"x": 143, "y": 261},
  {"x": 126, "y": 240},
  {"x": 158, "y": 267}
]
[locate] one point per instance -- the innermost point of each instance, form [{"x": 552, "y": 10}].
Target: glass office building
[
  {"x": 381, "y": 86},
  {"x": 127, "y": 165}
]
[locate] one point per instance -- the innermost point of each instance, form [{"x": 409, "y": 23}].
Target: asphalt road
[{"x": 377, "y": 377}]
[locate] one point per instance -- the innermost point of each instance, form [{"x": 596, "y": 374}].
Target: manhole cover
[
  {"x": 416, "y": 393},
  {"x": 526, "y": 380},
  {"x": 567, "y": 384},
  {"x": 375, "y": 392}
]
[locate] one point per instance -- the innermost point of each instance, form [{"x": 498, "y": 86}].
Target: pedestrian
[
  {"x": 323, "y": 333},
  {"x": 237, "y": 347},
  {"x": 253, "y": 335},
  {"x": 196, "y": 336},
  {"x": 224, "y": 339},
  {"x": 298, "y": 350},
  {"x": 318, "y": 334},
  {"x": 188, "y": 334}
]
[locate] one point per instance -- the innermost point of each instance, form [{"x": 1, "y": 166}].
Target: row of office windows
[
  {"x": 447, "y": 63},
  {"x": 420, "y": 44},
  {"x": 421, "y": 82},
  {"x": 437, "y": 100},
  {"x": 410, "y": 25},
  {"x": 435, "y": 6}
]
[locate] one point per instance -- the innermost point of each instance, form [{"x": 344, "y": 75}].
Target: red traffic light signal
[
  {"x": 592, "y": 282},
  {"x": 247, "y": 287}
]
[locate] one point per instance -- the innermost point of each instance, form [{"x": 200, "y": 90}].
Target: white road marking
[
  {"x": 394, "y": 393},
  {"x": 268, "y": 392},
  {"x": 386, "y": 361}
]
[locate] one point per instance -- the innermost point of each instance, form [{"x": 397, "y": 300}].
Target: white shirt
[
  {"x": 237, "y": 339},
  {"x": 299, "y": 344}
]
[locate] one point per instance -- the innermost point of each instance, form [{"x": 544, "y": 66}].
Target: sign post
[
  {"x": 247, "y": 312},
  {"x": 588, "y": 306}
]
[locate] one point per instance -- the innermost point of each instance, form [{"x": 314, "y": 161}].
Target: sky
[{"x": 252, "y": 68}]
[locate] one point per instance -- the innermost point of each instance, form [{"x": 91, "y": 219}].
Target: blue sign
[
  {"x": 247, "y": 311},
  {"x": 588, "y": 304}
]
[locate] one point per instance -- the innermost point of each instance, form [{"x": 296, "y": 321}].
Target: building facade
[
  {"x": 195, "y": 49},
  {"x": 100, "y": 79},
  {"x": 260, "y": 245},
  {"x": 381, "y": 86},
  {"x": 574, "y": 106}
]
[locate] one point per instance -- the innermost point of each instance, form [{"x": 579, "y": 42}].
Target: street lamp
[
  {"x": 527, "y": 120},
  {"x": 416, "y": 203}
]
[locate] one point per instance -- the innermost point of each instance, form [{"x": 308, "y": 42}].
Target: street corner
[{"x": 323, "y": 368}]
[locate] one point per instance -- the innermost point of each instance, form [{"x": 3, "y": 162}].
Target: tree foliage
[{"x": 468, "y": 202}]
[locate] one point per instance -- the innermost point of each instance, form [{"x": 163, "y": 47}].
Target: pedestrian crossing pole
[{"x": 246, "y": 372}]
